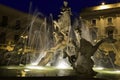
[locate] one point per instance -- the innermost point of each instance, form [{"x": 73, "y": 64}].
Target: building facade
[
  {"x": 14, "y": 24},
  {"x": 103, "y": 20}
]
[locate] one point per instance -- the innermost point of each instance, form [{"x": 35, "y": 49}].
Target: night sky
[{"x": 52, "y": 6}]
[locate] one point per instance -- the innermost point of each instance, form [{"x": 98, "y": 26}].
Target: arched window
[{"x": 110, "y": 30}]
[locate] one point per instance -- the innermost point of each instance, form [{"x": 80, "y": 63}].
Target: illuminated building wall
[
  {"x": 13, "y": 24},
  {"x": 101, "y": 17}
]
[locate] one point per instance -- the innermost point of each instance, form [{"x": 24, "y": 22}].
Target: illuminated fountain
[
  {"x": 71, "y": 46},
  {"x": 59, "y": 44}
]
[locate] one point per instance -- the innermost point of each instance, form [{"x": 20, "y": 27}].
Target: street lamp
[{"x": 103, "y": 3}]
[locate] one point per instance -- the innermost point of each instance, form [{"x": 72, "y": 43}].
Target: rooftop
[
  {"x": 103, "y": 9},
  {"x": 103, "y": 6}
]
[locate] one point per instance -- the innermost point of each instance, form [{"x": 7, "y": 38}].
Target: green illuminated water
[{"x": 37, "y": 71}]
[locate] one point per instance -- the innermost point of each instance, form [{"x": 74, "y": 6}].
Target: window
[
  {"x": 93, "y": 22},
  {"x": 18, "y": 24},
  {"x": 2, "y": 37},
  {"x": 110, "y": 30},
  {"x": 16, "y": 38},
  {"x": 93, "y": 33},
  {"x": 109, "y": 20},
  {"x": 4, "y": 21}
]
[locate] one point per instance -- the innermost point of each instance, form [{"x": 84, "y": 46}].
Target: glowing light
[
  {"x": 24, "y": 37},
  {"x": 63, "y": 65},
  {"x": 34, "y": 63},
  {"x": 106, "y": 70},
  {"x": 110, "y": 72},
  {"x": 103, "y": 3},
  {"x": 34, "y": 67},
  {"x": 9, "y": 48},
  {"x": 117, "y": 71},
  {"x": 23, "y": 73},
  {"x": 21, "y": 36},
  {"x": 98, "y": 68},
  {"x": 26, "y": 70},
  {"x": 104, "y": 7},
  {"x": 42, "y": 54},
  {"x": 13, "y": 67}
]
